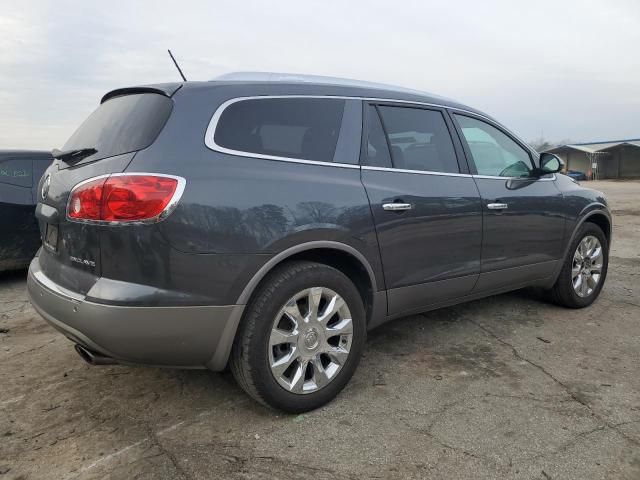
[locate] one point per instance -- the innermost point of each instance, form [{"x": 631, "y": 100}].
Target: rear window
[
  {"x": 122, "y": 125},
  {"x": 300, "y": 128}
]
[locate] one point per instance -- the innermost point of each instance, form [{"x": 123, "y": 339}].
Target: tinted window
[
  {"x": 419, "y": 139},
  {"x": 122, "y": 124},
  {"x": 494, "y": 152},
  {"x": 377, "y": 147},
  {"x": 303, "y": 128}
]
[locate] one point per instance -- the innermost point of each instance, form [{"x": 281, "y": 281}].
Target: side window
[
  {"x": 377, "y": 154},
  {"x": 301, "y": 128},
  {"x": 419, "y": 139},
  {"x": 494, "y": 153}
]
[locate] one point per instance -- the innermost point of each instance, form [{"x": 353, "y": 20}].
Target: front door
[
  {"x": 426, "y": 208},
  {"x": 523, "y": 220}
]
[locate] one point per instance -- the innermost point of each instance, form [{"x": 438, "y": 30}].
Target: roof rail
[{"x": 318, "y": 79}]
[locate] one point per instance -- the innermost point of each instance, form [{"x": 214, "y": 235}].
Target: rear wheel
[
  {"x": 301, "y": 338},
  {"x": 585, "y": 269}
]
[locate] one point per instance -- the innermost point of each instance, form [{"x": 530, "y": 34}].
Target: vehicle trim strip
[
  {"x": 447, "y": 174},
  {"x": 492, "y": 177},
  {"x": 420, "y": 172},
  {"x": 209, "y": 136}
]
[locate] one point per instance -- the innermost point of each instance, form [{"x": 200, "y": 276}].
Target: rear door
[
  {"x": 523, "y": 215},
  {"x": 425, "y": 205},
  {"x": 117, "y": 129}
]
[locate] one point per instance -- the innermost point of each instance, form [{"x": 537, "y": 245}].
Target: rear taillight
[{"x": 124, "y": 197}]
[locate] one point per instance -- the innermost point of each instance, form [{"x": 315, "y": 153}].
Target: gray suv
[{"x": 267, "y": 222}]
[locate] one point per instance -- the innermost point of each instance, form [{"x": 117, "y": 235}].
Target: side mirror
[{"x": 550, "y": 163}]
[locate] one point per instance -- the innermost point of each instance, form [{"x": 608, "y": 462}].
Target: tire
[
  {"x": 255, "y": 349},
  {"x": 563, "y": 292}
]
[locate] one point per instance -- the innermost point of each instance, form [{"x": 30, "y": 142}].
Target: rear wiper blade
[{"x": 72, "y": 157}]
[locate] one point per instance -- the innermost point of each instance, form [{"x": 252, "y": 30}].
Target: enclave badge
[{"x": 81, "y": 261}]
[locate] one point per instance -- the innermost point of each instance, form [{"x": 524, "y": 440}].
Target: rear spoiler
[{"x": 166, "y": 89}]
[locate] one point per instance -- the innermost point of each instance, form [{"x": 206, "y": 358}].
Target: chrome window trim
[
  {"x": 495, "y": 177},
  {"x": 209, "y": 135},
  {"x": 419, "y": 172},
  {"x": 447, "y": 174},
  {"x": 171, "y": 206}
]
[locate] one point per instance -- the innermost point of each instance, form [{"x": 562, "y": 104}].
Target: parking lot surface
[{"x": 505, "y": 387}]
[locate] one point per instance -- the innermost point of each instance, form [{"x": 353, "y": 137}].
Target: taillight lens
[
  {"x": 86, "y": 200},
  {"x": 124, "y": 198}
]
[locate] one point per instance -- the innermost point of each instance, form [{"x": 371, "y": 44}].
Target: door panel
[
  {"x": 529, "y": 230},
  {"x": 523, "y": 224},
  {"x": 416, "y": 297},
  {"x": 438, "y": 239},
  {"x": 428, "y": 216}
]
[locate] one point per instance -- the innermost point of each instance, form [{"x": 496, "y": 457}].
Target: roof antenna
[{"x": 177, "y": 66}]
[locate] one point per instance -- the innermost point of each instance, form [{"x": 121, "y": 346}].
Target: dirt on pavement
[{"x": 505, "y": 387}]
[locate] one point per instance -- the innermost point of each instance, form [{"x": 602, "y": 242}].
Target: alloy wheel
[
  {"x": 586, "y": 270},
  {"x": 310, "y": 340}
]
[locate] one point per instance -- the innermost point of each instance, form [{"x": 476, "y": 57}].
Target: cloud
[{"x": 568, "y": 68}]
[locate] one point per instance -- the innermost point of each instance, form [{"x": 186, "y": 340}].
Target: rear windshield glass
[
  {"x": 122, "y": 124},
  {"x": 302, "y": 128}
]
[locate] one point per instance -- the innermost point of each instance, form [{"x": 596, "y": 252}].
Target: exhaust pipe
[{"x": 93, "y": 358}]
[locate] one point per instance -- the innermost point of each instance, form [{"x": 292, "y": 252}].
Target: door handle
[
  {"x": 396, "y": 207},
  {"x": 497, "y": 206}
]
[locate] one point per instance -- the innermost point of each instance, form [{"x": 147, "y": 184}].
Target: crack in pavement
[
  {"x": 628, "y": 303},
  {"x": 428, "y": 431},
  {"x": 9, "y": 357},
  {"x": 523, "y": 397},
  {"x": 495, "y": 464},
  {"x": 447, "y": 406},
  {"x": 152, "y": 435},
  {"x": 107, "y": 458},
  {"x": 498, "y": 465},
  {"x": 566, "y": 445},
  {"x": 172, "y": 458},
  {"x": 299, "y": 466},
  {"x": 566, "y": 388}
]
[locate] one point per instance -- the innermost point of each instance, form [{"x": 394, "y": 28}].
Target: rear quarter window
[
  {"x": 298, "y": 128},
  {"x": 122, "y": 125}
]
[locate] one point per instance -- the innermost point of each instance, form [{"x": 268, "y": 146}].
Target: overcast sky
[{"x": 568, "y": 68}]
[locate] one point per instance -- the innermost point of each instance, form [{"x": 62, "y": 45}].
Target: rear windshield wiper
[{"x": 71, "y": 157}]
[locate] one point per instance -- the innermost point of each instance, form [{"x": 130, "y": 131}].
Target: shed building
[{"x": 599, "y": 160}]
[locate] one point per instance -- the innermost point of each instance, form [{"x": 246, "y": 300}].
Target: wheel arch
[
  {"x": 594, "y": 213},
  {"x": 602, "y": 220},
  {"x": 339, "y": 255},
  {"x": 597, "y": 214}
]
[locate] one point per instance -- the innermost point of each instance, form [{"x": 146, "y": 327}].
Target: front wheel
[
  {"x": 301, "y": 338},
  {"x": 585, "y": 269}
]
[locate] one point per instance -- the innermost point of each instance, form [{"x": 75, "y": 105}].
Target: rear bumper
[{"x": 175, "y": 336}]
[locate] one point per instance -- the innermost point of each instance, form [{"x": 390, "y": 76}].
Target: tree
[{"x": 541, "y": 144}]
